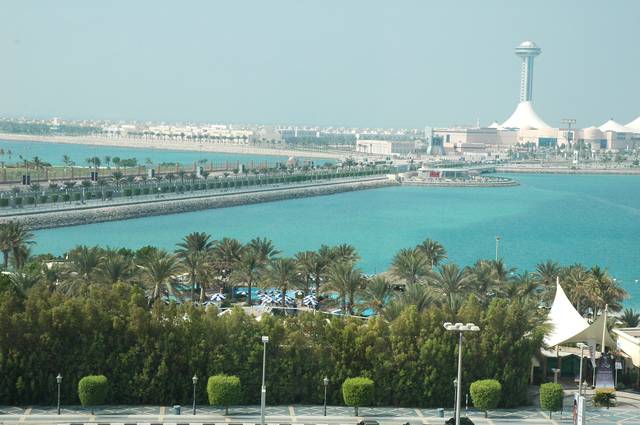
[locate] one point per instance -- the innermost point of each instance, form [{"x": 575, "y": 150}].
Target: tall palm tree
[
  {"x": 344, "y": 252},
  {"x": 483, "y": 281},
  {"x": 306, "y": 262},
  {"x": 283, "y": 274},
  {"x": 578, "y": 284},
  {"x": 418, "y": 296},
  {"x": 83, "y": 261},
  {"x": 344, "y": 278},
  {"x": 6, "y": 243},
  {"x": 158, "y": 269},
  {"x": 226, "y": 253},
  {"x": 523, "y": 285},
  {"x": 605, "y": 291},
  {"x": 21, "y": 282},
  {"x": 547, "y": 272},
  {"x": 411, "y": 265},
  {"x": 15, "y": 238},
  {"x": 264, "y": 249},
  {"x": 630, "y": 318},
  {"x": 450, "y": 282},
  {"x": 434, "y": 251},
  {"x": 113, "y": 268},
  {"x": 192, "y": 251},
  {"x": 377, "y": 293},
  {"x": 248, "y": 270}
]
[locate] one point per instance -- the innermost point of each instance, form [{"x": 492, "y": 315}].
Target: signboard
[
  {"x": 618, "y": 365},
  {"x": 604, "y": 372}
]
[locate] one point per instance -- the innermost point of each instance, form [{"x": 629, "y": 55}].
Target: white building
[{"x": 386, "y": 147}]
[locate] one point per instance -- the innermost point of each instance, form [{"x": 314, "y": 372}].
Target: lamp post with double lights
[
  {"x": 460, "y": 329},
  {"x": 195, "y": 381},
  {"x": 263, "y": 391},
  {"x": 59, "y": 381},
  {"x": 325, "y": 381}
]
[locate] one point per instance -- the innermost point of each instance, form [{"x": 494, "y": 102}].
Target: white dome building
[
  {"x": 525, "y": 117},
  {"x": 634, "y": 125},
  {"x": 611, "y": 125}
]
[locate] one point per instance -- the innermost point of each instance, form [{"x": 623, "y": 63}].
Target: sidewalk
[{"x": 302, "y": 415}]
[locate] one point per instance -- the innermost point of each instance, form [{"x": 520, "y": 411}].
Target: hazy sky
[{"x": 323, "y": 62}]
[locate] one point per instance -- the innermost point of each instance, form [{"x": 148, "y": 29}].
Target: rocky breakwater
[{"x": 51, "y": 219}]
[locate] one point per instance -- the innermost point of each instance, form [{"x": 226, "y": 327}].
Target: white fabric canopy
[
  {"x": 564, "y": 319},
  {"x": 611, "y": 125},
  {"x": 594, "y": 333},
  {"x": 524, "y": 117},
  {"x": 634, "y": 125}
]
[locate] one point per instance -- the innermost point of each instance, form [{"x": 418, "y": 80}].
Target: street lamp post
[
  {"x": 195, "y": 381},
  {"x": 460, "y": 328},
  {"x": 59, "y": 381},
  {"x": 497, "y": 246},
  {"x": 326, "y": 384},
  {"x": 263, "y": 392},
  {"x": 582, "y": 347}
]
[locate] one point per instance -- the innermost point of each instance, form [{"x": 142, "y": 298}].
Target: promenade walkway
[{"x": 304, "y": 415}]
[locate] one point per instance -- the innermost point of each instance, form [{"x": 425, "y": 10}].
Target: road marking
[
  {"x": 162, "y": 413},
  {"x": 292, "y": 413},
  {"x": 419, "y": 413}
]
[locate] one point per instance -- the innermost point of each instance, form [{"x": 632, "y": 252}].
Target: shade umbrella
[
  {"x": 266, "y": 299},
  {"x": 218, "y": 297}
]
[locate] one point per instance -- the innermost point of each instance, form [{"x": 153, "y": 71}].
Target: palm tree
[
  {"x": 113, "y": 268},
  {"x": 6, "y": 242},
  {"x": 16, "y": 237},
  {"x": 83, "y": 261},
  {"x": 192, "y": 252},
  {"x": 306, "y": 262},
  {"x": 226, "y": 253},
  {"x": 21, "y": 282},
  {"x": 377, "y": 293},
  {"x": 434, "y": 251},
  {"x": 344, "y": 252},
  {"x": 630, "y": 318},
  {"x": 411, "y": 265},
  {"x": 451, "y": 282},
  {"x": 523, "y": 285},
  {"x": 483, "y": 281},
  {"x": 284, "y": 275},
  {"x": 578, "y": 283},
  {"x": 158, "y": 269},
  {"x": 344, "y": 278},
  {"x": 547, "y": 273},
  {"x": 264, "y": 248},
  {"x": 418, "y": 296},
  {"x": 605, "y": 291},
  {"x": 248, "y": 270}
]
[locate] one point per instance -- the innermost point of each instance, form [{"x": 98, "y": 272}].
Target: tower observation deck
[{"x": 527, "y": 50}]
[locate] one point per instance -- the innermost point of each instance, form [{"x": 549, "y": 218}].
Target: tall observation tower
[
  {"x": 527, "y": 50},
  {"x": 524, "y": 116}
]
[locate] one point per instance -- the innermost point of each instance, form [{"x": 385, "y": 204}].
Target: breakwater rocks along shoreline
[{"x": 102, "y": 213}]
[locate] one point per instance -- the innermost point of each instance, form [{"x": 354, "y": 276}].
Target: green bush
[
  {"x": 551, "y": 396},
  {"x": 127, "y": 192},
  {"x": 66, "y": 197},
  {"x": 137, "y": 191},
  {"x": 357, "y": 392},
  {"x": 77, "y": 196},
  {"x": 43, "y": 199},
  {"x": 17, "y": 201},
  {"x": 30, "y": 200},
  {"x": 4, "y": 202},
  {"x": 604, "y": 398},
  {"x": 108, "y": 194},
  {"x": 145, "y": 190},
  {"x": 223, "y": 390},
  {"x": 486, "y": 394},
  {"x": 92, "y": 390}
]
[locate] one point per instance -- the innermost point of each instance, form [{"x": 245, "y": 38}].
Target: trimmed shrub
[
  {"x": 357, "y": 392},
  {"x": 145, "y": 190},
  {"x": 223, "y": 390},
  {"x": 92, "y": 390},
  {"x": 137, "y": 191},
  {"x": 127, "y": 192},
  {"x": 463, "y": 421},
  {"x": 108, "y": 194},
  {"x": 4, "y": 202},
  {"x": 486, "y": 394},
  {"x": 551, "y": 396},
  {"x": 30, "y": 200},
  {"x": 55, "y": 197},
  {"x": 66, "y": 197},
  {"x": 604, "y": 398},
  {"x": 43, "y": 199},
  {"x": 17, "y": 201},
  {"x": 77, "y": 196}
]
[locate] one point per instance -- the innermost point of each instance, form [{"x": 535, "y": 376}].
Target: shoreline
[
  {"x": 99, "y": 214},
  {"x": 173, "y": 145},
  {"x": 556, "y": 170}
]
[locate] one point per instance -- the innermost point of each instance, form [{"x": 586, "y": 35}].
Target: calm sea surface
[
  {"x": 586, "y": 219},
  {"x": 53, "y": 153}
]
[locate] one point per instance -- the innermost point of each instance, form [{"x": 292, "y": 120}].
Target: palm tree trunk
[
  {"x": 193, "y": 284},
  {"x": 5, "y": 255},
  {"x": 249, "y": 284},
  {"x": 284, "y": 295}
]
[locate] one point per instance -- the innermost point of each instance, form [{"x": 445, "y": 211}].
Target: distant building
[{"x": 386, "y": 147}]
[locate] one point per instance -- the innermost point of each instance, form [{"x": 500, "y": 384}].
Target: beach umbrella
[
  {"x": 242, "y": 293},
  {"x": 310, "y": 298},
  {"x": 217, "y": 297},
  {"x": 299, "y": 293},
  {"x": 288, "y": 300},
  {"x": 267, "y": 300},
  {"x": 311, "y": 302}
]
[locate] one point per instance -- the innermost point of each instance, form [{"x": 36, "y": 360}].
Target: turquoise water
[
  {"x": 586, "y": 219},
  {"x": 53, "y": 153}
]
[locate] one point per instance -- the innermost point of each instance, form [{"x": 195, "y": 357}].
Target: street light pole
[
  {"x": 195, "y": 381},
  {"x": 263, "y": 392},
  {"x": 497, "y": 246},
  {"x": 59, "y": 381},
  {"x": 460, "y": 328},
  {"x": 326, "y": 383},
  {"x": 581, "y": 346}
]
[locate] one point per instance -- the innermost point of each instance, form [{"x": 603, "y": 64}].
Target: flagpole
[{"x": 604, "y": 326}]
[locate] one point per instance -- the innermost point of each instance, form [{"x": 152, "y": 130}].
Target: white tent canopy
[
  {"x": 564, "y": 319},
  {"x": 525, "y": 117},
  {"x": 569, "y": 327},
  {"x": 611, "y": 125},
  {"x": 634, "y": 125}
]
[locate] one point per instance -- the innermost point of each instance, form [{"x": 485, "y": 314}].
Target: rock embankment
[{"x": 51, "y": 219}]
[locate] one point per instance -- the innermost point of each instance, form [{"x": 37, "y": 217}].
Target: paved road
[{"x": 300, "y": 415}]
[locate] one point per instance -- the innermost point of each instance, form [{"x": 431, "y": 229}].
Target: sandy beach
[{"x": 175, "y": 145}]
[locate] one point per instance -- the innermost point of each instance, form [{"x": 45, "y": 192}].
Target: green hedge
[
  {"x": 145, "y": 190},
  {"x": 55, "y": 197},
  {"x": 127, "y": 192},
  {"x": 30, "y": 200},
  {"x": 66, "y": 197},
  {"x": 108, "y": 194},
  {"x": 486, "y": 394},
  {"x": 92, "y": 390},
  {"x": 77, "y": 196},
  {"x": 551, "y": 396},
  {"x": 604, "y": 398},
  {"x": 357, "y": 392},
  {"x": 137, "y": 191},
  {"x": 43, "y": 199},
  {"x": 17, "y": 201},
  {"x": 223, "y": 390},
  {"x": 4, "y": 202}
]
